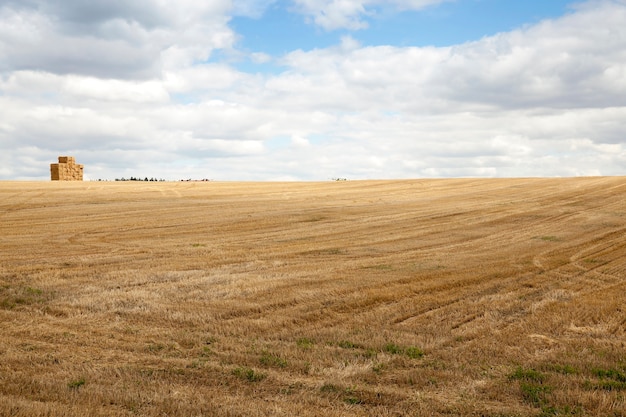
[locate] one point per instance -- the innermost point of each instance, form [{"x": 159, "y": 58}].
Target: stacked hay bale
[{"x": 66, "y": 170}]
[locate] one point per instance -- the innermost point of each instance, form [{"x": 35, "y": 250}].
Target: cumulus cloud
[
  {"x": 566, "y": 63},
  {"x": 562, "y": 64},
  {"x": 109, "y": 39},
  {"x": 352, "y": 14}
]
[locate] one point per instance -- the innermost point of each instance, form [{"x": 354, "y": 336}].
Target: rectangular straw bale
[{"x": 66, "y": 170}]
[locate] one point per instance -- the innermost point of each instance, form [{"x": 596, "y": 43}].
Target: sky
[{"x": 308, "y": 90}]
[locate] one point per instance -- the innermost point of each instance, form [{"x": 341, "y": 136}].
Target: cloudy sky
[{"x": 313, "y": 89}]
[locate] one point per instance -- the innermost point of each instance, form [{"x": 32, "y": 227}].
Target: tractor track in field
[{"x": 374, "y": 297}]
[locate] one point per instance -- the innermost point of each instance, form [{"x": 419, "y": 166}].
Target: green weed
[
  {"x": 563, "y": 369},
  {"x": 76, "y": 384},
  {"x": 248, "y": 374},
  {"x": 531, "y": 385},
  {"x": 534, "y": 393},
  {"x": 345, "y": 344},
  {"x": 330, "y": 388},
  {"x": 614, "y": 374},
  {"x": 370, "y": 353},
  {"x": 610, "y": 380},
  {"x": 33, "y": 291},
  {"x": 378, "y": 367},
  {"x": 352, "y": 399},
  {"x": 606, "y": 385},
  {"x": 12, "y": 297},
  {"x": 392, "y": 348},
  {"x": 305, "y": 343},
  {"x": 527, "y": 375},
  {"x": 271, "y": 359},
  {"x": 413, "y": 352}
]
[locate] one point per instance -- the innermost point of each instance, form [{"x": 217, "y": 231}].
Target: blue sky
[
  {"x": 279, "y": 31},
  {"x": 313, "y": 89}
]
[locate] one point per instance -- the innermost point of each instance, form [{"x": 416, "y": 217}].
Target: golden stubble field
[{"x": 495, "y": 297}]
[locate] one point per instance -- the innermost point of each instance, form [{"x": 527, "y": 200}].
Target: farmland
[{"x": 351, "y": 298}]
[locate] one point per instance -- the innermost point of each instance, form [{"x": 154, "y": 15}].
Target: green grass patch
[
  {"x": 534, "y": 393},
  {"x": 605, "y": 385},
  {"x": 532, "y": 385},
  {"x": 329, "y": 388},
  {"x": 412, "y": 352},
  {"x": 155, "y": 347},
  {"x": 271, "y": 359},
  {"x": 370, "y": 353},
  {"x": 33, "y": 291},
  {"x": 76, "y": 384},
  {"x": 609, "y": 380},
  {"x": 346, "y": 344},
  {"x": 305, "y": 343},
  {"x": 378, "y": 367},
  {"x": 13, "y": 297},
  {"x": 613, "y": 374},
  {"x": 352, "y": 399},
  {"x": 248, "y": 374},
  {"x": 531, "y": 375},
  {"x": 563, "y": 369},
  {"x": 393, "y": 349}
]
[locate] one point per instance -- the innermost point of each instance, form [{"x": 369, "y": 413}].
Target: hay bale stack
[{"x": 66, "y": 170}]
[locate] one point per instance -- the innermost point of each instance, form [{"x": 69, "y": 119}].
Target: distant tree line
[
  {"x": 150, "y": 179},
  {"x": 138, "y": 179}
]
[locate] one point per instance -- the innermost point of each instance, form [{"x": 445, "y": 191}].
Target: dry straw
[{"x": 66, "y": 170}]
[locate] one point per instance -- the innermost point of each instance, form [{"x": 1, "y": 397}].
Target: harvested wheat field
[{"x": 495, "y": 297}]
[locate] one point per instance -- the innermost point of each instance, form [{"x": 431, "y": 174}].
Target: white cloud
[
  {"x": 115, "y": 90},
  {"x": 300, "y": 141},
  {"x": 260, "y": 58},
  {"x": 334, "y": 14},
  {"x": 250, "y": 8},
  {"x": 213, "y": 148},
  {"x": 547, "y": 99},
  {"x": 351, "y": 14},
  {"x": 199, "y": 79},
  {"x": 110, "y": 39}
]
